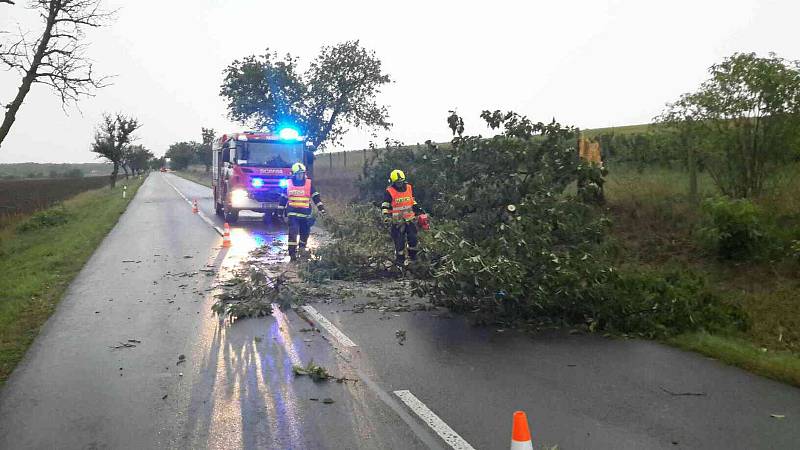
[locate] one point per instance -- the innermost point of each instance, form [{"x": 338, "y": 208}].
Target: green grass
[
  {"x": 198, "y": 176},
  {"x": 627, "y": 129},
  {"x": 655, "y": 226},
  {"x": 36, "y": 266},
  {"x": 783, "y": 366}
]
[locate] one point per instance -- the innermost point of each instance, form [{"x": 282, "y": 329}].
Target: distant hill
[
  {"x": 625, "y": 129},
  {"x": 48, "y": 170}
]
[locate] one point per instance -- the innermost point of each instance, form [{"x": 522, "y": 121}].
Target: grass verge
[
  {"x": 782, "y": 366},
  {"x": 198, "y": 177},
  {"x": 39, "y": 257},
  {"x": 655, "y": 226}
]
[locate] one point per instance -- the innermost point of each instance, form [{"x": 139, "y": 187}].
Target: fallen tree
[{"x": 512, "y": 242}]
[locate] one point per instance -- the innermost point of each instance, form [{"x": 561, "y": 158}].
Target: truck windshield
[{"x": 270, "y": 154}]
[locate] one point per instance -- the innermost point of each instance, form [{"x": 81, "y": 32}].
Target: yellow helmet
[
  {"x": 397, "y": 175},
  {"x": 297, "y": 167}
]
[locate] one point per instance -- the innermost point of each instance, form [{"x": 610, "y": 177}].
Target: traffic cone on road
[
  {"x": 520, "y": 434},
  {"x": 194, "y": 206},
  {"x": 226, "y": 236}
]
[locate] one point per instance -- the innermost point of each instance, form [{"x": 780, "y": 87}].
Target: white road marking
[
  {"x": 442, "y": 429},
  {"x": 329, "y": 327},
  {"x": 199, "y": 213}
]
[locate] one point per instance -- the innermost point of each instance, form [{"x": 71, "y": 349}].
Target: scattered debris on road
[
  {"x": 122, "y": 345},
  {"x": 777, "y": 416},
  {"x": 401, "y": 336},
  {"x": 678, "y": 394},
  {"x": 327, "y": 400},
  {"x": 252, "y": 292},
  {"x": 318, "y": 373},
  {"x": 181, "y": 359}
]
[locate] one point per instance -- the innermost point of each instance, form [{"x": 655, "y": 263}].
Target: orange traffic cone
[
  {"x": 226, "y": 236},
  {"x": 194, "y": 206},
  {"x": 520, "y": 434}
]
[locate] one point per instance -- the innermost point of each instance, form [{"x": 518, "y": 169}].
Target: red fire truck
[{"x": 251, "y": 171}]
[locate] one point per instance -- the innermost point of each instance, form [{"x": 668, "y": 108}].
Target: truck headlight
[{"x": 238, "y": 197}]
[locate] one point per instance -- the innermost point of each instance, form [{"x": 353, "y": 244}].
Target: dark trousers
[
  {"x": 402, "y": 233},
  {"x": 301, "y": 226}
]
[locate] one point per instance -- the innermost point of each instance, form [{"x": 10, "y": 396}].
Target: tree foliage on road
[
  {"x": 744, "y": 120},
  {"x": 112, "y": 138},
  {"x": 57, "y": 57},
  {"x": 510, "y": 242},
  {"x": 338, "y": 91}
]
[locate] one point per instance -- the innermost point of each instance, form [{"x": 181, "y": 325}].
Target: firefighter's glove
[
  {"x": 387, "y": 219},
  {"x": 322, "y": 210}
]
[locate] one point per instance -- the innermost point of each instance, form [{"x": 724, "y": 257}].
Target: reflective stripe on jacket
[
  {"x": 402, "y": 207},
  {"x": 299, "y": 198}
]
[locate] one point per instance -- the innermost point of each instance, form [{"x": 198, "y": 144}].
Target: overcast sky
[{"x": 588, "y": 63}]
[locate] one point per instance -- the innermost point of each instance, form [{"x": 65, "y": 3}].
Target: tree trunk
[
  {"x": 29, "y": 78},
  {"x": 692, "y": 162},
  {"x": 114, "y": 175},
  {"x": 125, "y": 169}
]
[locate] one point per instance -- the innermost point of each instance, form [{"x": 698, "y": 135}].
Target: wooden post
[
  {"x": 330, "y": 160},
  {"x": 344, "y": 154}
]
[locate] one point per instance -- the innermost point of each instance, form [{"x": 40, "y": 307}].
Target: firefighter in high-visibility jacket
[
  {"x": 400, "y": 210},
  {"x": 300, "y": 193}
]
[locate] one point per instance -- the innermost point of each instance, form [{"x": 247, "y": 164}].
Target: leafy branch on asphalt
[
  {"x": 317, "y": 373},
  {"x": 252, "y": 293}
]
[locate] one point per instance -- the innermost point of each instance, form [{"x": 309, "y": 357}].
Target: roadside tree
[
  {"x": 113, "y": 136},
  {"x": 181, "y": 154},
  {"x": 204, "y": 152},
  {"x": 743, "y": 122},
  {"x": 57, "y": 57},
  {"x": 137, "y": 158},
  {"x": 338, "y": 91}
]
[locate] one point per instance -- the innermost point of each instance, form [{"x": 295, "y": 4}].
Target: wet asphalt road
[{"x": 236, "y": 388}]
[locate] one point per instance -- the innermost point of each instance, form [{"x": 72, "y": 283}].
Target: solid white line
[
  {"x": 442, "y": 429},
  {"x": 199, "y": 213},
  {"x": 329, "y": 327}
]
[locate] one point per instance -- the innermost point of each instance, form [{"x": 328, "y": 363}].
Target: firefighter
[
  {"x": 300, "y": 193},
  {"x": 400, "y": 210}
]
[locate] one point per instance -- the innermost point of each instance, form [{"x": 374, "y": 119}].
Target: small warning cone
[
  {"x": 520, "y": 434},
  {"x": 194, "y": 206},
  {"x": 226, "y": 236}
]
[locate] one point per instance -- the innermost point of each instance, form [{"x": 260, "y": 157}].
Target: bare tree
[
  {"x": 57, "y": 57},
  {"x": 112, "y": 139}
]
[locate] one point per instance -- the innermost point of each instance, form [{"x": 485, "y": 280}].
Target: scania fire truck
[{"x": 251, "y": 171}]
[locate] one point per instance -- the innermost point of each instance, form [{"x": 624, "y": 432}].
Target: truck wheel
[{"x": 232, "y": 216}]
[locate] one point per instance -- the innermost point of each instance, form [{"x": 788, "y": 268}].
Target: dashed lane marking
[
  {"x": 438, "y": 425},
  {"x": 328, "y": 326},
  {"x": 199, "y": 213}
]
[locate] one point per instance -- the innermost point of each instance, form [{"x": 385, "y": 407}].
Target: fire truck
[{"x": 251, "y": 171}]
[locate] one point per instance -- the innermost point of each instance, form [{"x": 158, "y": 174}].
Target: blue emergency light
[
  {"x": 257, "y": 182},
  {"x": 289, "y": 134},
  {"x": 283, "y": 183}
]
